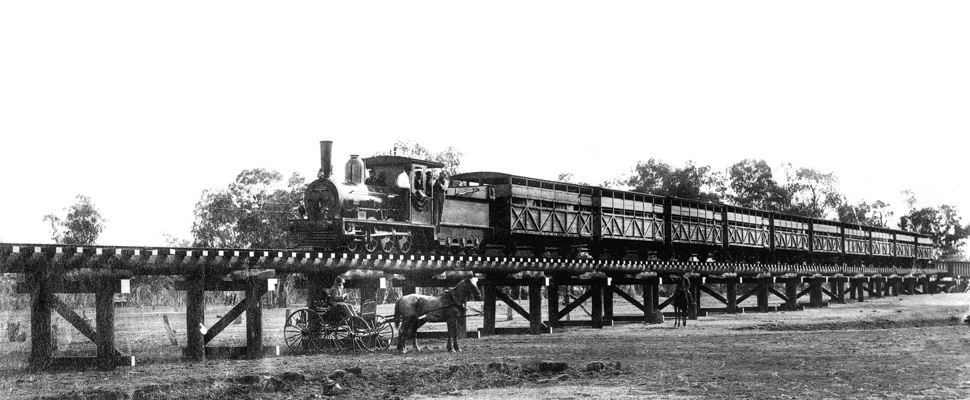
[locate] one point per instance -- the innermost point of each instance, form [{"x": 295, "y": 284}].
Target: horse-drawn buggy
[{"x": 322, "y": 327}]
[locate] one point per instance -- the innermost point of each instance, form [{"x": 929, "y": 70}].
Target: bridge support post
[
  {"x": 909, "y": 285},
  {"x": 369, "y": 289},
  {"x": 488, "y": 307},
  {"x": 837, "y": 286},
  {"x": 877, "y": 281},
  {"x": 317, "y": 285},
  {"x": 408, "y": 287},
  {"x": 649, "y": 305},
  {"x": 596, "y": 288},
  {"x": 607, "y": 305},
  {"x": 41, "y": 336},
  {"x": 552, "y": 294},
  {"x": 927, "y": 285},
  {"x": 255, "y": 289},
  {"x": 763, "y": 284},
  {"x": 815, "y": 292},
  {"x": 791, "y": 292},
  {"x": 105, "y": 320},
  {"x": 695, "y": 292},
  {"x": 859, "y": 285},
  {"x": 195, "y": 317},
  {"x": 535, "y": 308},
  {"x": 731, "y": 289}
]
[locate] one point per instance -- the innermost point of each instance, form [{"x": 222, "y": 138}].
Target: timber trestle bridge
[{"x": 46, "y": 269}]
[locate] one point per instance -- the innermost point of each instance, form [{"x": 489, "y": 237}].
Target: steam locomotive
[{"x": 388, "y": 204}]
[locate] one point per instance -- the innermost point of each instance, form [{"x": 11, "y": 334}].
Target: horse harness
[{"x": 453, "y": 304}]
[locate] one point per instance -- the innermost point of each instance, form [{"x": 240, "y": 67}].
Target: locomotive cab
[{"x": 409, "y": 185}]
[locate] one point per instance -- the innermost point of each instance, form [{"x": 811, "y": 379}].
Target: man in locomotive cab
[
  {"x": 438, "y": 193},
  {"x": 370, "y": 177},
  {"x": 419, "y": 190}
]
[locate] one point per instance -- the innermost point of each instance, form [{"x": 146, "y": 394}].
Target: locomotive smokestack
[{"x": 326, "y": 168}]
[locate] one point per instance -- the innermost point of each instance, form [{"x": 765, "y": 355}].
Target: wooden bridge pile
[{"x": 47, "y": 269}]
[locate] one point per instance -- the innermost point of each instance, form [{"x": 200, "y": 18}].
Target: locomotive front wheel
[{"x": 352, "y": 246}]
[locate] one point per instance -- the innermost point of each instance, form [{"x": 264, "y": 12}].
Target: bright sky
[{"x": 143, "y": 105}]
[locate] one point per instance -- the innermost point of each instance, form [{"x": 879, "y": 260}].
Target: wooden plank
[
  {"x": 62, "y": 363},
  {"x": 626, "y": 297},
  {"x": 227, "y": 319},
  {"x": 778, "y": 294},
  {"x": 748, "y": 294},
  {"x": 717, "y": 296},
  {"x": 576, "y": 303},
  {"x": 75, "y": 320},
  {"x": 231, "y": 352},
  {"x": 513, "y": 305}
]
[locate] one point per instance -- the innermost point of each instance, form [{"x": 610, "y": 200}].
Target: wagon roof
[
  {"x": 485, "y": 175},
  {"x": 398, "y": 160}
]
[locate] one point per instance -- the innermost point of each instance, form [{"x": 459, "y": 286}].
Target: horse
[
  {"x": 414, "y": 310},
  {"x": 683, "y": 300}
]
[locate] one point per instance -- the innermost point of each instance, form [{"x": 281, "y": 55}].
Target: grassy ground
[{"x": 901, "y": 347}]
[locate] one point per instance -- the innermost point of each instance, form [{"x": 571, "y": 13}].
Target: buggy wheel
[
  {"x": 353, "y": 333},
  {"x": 381, "y": 335},
  {"x": 330, "y": 338},
  {"x": 302, "y": 330}
]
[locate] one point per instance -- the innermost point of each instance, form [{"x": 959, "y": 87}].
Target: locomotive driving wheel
[
  {"x": 403, "y": 244},
  {"x": 387, "y": 245},
  {"x": 371, "y": 245}
]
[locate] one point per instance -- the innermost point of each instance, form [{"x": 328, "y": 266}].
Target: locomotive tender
[{"x": 388, "y": 204}]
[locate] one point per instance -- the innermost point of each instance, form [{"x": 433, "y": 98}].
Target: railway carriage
[
  {"x": 904, "y": 244},
  {"x": 825, "y": 241},
  {"x": 626, "y": 222},
  {"x": 388, "y": 204},
  {"x": 881, "y": 245},
  {"x": 790, "y": 237},
  {"x": 534, "y": 215},
  {"x": 748, "y": 233}
]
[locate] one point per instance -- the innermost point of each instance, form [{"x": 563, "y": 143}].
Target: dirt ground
[{"x": 898, "y": 347}]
